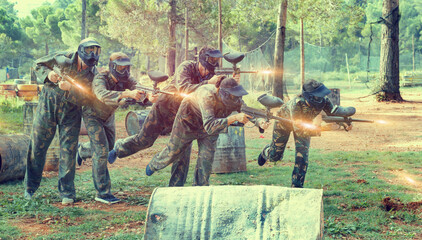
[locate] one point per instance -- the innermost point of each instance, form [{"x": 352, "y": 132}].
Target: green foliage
[
  {"x": 11, "y": 116},
  {"x": 42, "y": 28},
  {"x": 338, "y": 229}
]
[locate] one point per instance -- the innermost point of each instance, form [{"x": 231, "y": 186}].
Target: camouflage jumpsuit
[
  {"x": 187, "y": 79},
  {"x": 201, "y": 117},
  {"x": 297, "y": 108},
  {"x": 102, "y": 130},
  {"x": 57, "y": 108}
]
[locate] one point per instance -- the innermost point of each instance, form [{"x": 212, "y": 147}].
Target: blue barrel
[{"x": 230, "y": 153}]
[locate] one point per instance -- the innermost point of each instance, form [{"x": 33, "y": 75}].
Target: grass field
[{"x": 352, "y": 207}]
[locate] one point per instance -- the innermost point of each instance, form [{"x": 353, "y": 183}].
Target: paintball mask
[
  {"x": 119, "y": 66},
  {"x": 314, "y": 92},
  {"x": 210, "y": 58},
  {"x": 89, "y": 51},
  {"x": 231, "y": 93}
]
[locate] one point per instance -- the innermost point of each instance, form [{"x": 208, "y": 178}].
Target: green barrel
[
  {"x": 230, "y": 153},
  {"x": 13, "y": 153},
  {"x": 235, "y": 212}
]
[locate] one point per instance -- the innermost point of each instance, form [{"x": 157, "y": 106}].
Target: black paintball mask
[
  {"x": 231, "y": 93},
  {"x": 89, "y": 51},
  {"x": 314, "y": 93},
  {"x": 210, "y": 58},
  {"x": 120, "y": 68}
]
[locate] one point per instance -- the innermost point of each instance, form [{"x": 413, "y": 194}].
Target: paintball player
[
  {"x": 301, "y": 109},
  {"x": 189, "y": 76},
  {"x": 202, "y": 116},
  {"x": 111, "y": 87},
  {"x": 60, "y": 105}
]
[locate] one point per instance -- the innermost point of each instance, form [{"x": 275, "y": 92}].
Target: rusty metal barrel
[
  {"x": 13, "y": 153},
  {"x": 230, "y": 153},
  {"x": 235, "y": 212}
]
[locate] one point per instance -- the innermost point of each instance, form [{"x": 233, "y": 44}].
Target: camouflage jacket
[
  {"x": 68, "y": 63},
  {"x": 187, "y": 78},
  {"x": 298, "y": 109},
  {"x": 203, "y": 112},
  {"x": 108, "y": 91}
]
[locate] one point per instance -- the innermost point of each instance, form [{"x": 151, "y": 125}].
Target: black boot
[{"x": 263, "y": 156}]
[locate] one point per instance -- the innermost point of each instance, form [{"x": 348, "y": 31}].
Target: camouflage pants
[
  {"x": 102, "y": 135},
  {"x": 160, "y": 117},
  {"x": 278, "y": 145},
  {"x": 181, "y": 141},
  {"x": 53, "y": 112}
]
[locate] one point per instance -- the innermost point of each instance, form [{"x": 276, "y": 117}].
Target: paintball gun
[
  {"x": 235, "y": 58},
  {"x": 270, "y": 102},
  {"x": 156, "y": 77},
  {"x": 102, "y": 109},
  {"x": 232, "y": 58},
  {"x": 343, "y": 121}
]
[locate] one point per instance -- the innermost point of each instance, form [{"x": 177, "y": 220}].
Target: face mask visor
[
  {"x": 122, "y": 69},
  {"x": 95, "y": 50}
]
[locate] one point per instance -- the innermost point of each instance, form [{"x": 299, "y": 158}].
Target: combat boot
[{"x": 263, "y": 156}]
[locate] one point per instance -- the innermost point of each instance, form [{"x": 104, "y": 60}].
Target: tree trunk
[
  {"x": 83, "y": 22},
  {"x": 389, "y": 59},
  {"x": 413, "y": 54},
  {"x": 147, "y": 64},
  {"x": 302, "y": 54},
  {"x": 280, "y": 38},
  {"x": 46, "y": 48},
  {"x": 186, "y": 34},
  {"x": 171, "y": 51},
  {"x": 220, "y": 36}
]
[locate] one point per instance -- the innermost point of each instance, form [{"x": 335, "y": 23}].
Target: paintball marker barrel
[
  {"x": 348, "y": 120},
  {"x": 343, "y": 121},
  {"x": 153, "y": 90},
  {"x": 231, "y": 71},
  {"x": 258, "y": 113}
]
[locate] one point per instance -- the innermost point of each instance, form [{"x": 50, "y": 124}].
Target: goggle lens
[
  {"x": 213, "y": 61},
  {"x": 95, "y": 49},
  {"x": 122, "y": 69}
]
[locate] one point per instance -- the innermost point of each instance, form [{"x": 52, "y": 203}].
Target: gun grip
[{"x": 237, "y": 124}]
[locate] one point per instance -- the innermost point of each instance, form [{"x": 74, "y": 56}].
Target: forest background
[{"x": 340, "y": 35}]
